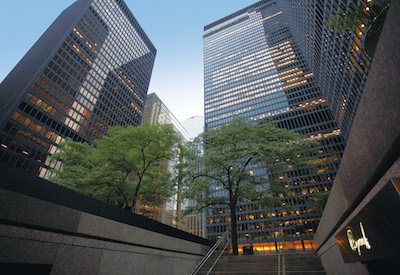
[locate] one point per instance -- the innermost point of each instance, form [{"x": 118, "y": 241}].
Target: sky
[{"x": 175, "y": 27}]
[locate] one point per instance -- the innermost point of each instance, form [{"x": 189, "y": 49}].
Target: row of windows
[
  {"x": 308, "y": 119},
  {"x": 77, "y": 95}
]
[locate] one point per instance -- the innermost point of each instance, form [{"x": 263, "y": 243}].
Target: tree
[
  {"x": 318, "y": 201},
  {"x": 81, "y": 172},
  {"x": 179, "y": 178},
  {"x": 369, "y": 20},
  {"x": 240, "y": 161},
  {"x": 123, "y": 167}
]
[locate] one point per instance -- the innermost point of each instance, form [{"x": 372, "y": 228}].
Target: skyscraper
[
  {"x": 194, "y": 222},
  {"x": 339, "y": 61},
  {"x": 156, "y": 112},
  {"x": 194, "y": 125},
  {"x": 90, "y": 70},
  {"x": 254, "y": 68}
]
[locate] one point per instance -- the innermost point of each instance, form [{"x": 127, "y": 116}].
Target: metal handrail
[
  {"x": 222, "y": 252},
  {"x": 208, "y": 255}
]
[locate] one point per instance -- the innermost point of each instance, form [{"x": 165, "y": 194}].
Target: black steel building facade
[
  {"x": 255, "y": 68},
  {"x": 90, "y": 70},
  {"x": 338, "y": 60}
]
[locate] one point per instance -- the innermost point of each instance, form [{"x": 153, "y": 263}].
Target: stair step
[
  {"x": 319, "y": 272},
  {"x": 301, "y": 264}
]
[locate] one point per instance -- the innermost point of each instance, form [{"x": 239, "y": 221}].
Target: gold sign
[
  {"x": 373, "y": 233},
  {"x": 356, "y": 244}
]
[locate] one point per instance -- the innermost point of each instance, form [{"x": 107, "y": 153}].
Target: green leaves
[
  {"x": 348, "y": 21},
  {"x": 128, "y": 165},
  {"x": 371, "y": 19},
  {"x": 241, "y": 162},
  {"x": 317, "y": 201}
]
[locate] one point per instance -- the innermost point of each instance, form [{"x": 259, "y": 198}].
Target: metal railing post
[{"x": 208, "y": 255}]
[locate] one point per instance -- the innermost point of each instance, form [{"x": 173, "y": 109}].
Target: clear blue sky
[{"x": 174, "y": 26}]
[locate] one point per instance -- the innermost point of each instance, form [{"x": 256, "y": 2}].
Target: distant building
[
  {"x": 194, "y": 126},
  {"x": 254, "y": 68},
  {"x": 90, "y": 70},
  {"x": 156, "y": 111},
  {"x": 195, "y": 222}
]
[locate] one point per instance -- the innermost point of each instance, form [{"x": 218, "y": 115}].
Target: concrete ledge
[
  {"x": 38, "y": 232},
  {"x": 24, "y": 183}
]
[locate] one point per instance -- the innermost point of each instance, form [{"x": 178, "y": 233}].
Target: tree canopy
[
  {"x": 318, "y": 201},
  {"x": 126, "y": 166},
  {"x": 240, "y": 161}
]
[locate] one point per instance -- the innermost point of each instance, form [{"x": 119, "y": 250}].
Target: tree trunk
[
  {"x": 180, "y": 181},
  {"x": 234, "y": 236},
  {"x": 136, "y": 192},
  {"x": 178, "y": 203}
]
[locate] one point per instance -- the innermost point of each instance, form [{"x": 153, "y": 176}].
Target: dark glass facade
[
  {"x": 90, "y": 70},
  {"x": 338, "y": 60},
  {"x": 156, "y": 112},
  {"x": 254, "y": 68}
]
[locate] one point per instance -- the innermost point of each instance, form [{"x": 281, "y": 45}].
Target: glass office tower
[
  {"x": 255, "y": 69},
  {"x": 338, "y": 60},
  {"x": 156, "y": 112},
  {"x": 90, "y": 70}
]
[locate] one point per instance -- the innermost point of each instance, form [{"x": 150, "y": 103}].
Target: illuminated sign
[
  {"x": 373, "y": 232},
  {"x": 363, "y": 241}
]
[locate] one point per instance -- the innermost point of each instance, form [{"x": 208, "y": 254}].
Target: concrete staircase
[{"x": 296, "y": 264}]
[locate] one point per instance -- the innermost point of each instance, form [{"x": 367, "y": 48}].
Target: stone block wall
[{"x": 43, "y": 225}]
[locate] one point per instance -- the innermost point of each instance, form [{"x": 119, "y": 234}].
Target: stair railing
[{"x": 209, "y": 254}]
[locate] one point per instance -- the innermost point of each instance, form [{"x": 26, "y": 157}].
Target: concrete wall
[
  {"x": 371, "y": 157},
  {"x": 71, "y": 241}
]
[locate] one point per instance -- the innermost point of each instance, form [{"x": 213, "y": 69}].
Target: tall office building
[
  {"x": 156, "y": 112},
  {"x": 339, "y": 61},
  {"x": 90, "y": 70},
  {"x": 254, "y": 68},
  {"x": 195, "y": 222},
  {"x": 194, "y": 125}
]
